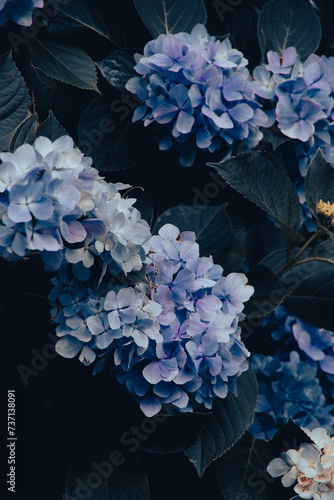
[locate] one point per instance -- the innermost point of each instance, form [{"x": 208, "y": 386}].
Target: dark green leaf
[
  {"x": 65, "y": 100},
  {"x": 205, "y": 436},
  {"x": 107, "y": 476},
  {"x": 289, "y": 23},
  {"x": 107, "y": 134},
  {"x": 241, "y": 471},
  {"x": 94, "y": 17},
  {"x": 51, "y": 128},
  {"x": 291, "y": 436},
  {"x": 25, "y": 132},
  {"x": 275, "y": 259},
  {"x": 274, "y": 136},
  {"x": 137, "y": 276},
  {"x": 65, "y": 63},
  {"x": 278, "y": 258},
  {"x": 268, "y": 293},
  {"x": 117, "y": 68},
  {"x": 144, "y": 204},
  {"x": 324, "y": 250},
  {"x": 237, "y": 253},
  {"x": 14, "y": 99},
  {"x": 230, "y": 418},
  {"x": 211, "y": 225},
  {"x": 239, "y": 24},
  {"x": 176, "y": 434},
  {"x": 263, "y": 179},
  {"x": 170, "y": 16},
  {"x": 312, "y": 297}
]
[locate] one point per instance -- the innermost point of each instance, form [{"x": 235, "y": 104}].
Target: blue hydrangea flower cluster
[
  {"x": 315, "y": 345},
  {"x": 288, "y": 389},
  {"x": 303, "y": 93},
  {"x": 51, "y": 199},
  {"x": 91, "y": 319},
  {"x": 174, "y": 339},
  {"x": 198, "y": 90},
  {"x": 18, "y": 11}
]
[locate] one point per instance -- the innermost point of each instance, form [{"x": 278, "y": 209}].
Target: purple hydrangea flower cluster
[
  {"x": 303, "y": 93},
  {"x": 18, "y": 11},
  {"x": 315, "y": 345},
  {"x": 174, "y": 340},
  {"x": 198, "y": 90},
  {"x": 51, "y": 198},
  {"x": 288, "y": 389}
]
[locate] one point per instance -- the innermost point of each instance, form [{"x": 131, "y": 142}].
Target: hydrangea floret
[
  {"x": 288, "y": 389},
  {"x": 325, "y": 211},
  {"x": 315, "y": 345},
  {"x": 302, "y": 93},
  {"x": 18, "y": 11},
  {"x": 311, "y": 467},
  {"x": 173, "y": 339},
  {"x": 54, "y": 202},
  {"x": 197, "y": 90}
]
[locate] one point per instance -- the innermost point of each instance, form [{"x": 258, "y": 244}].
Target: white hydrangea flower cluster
[
  {"x": 53, "y": 201},
  {"x": 312, "y": 466}
]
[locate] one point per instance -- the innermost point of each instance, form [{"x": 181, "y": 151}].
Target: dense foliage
[{"x": 149, "y": 309}]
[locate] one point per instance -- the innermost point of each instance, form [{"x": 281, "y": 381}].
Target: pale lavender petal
[
  {"x": 150, "y": 405},
  {"x": 327, "y": 364},
  {"x": 110, "y": 302},
  {"x": 125, "y": 297},
  {"x": 184, "y": 122},
  {"x": 68, "y": 346},
  {"x": 42, "y": 210},
  {"x": 95, "y": 325},
  {"x": 241, "y": 112},
  {"x": 73, "y": 231},
  {"x": 302, "y": 130},
  {"x": 114, "y": 321},
  {"x": 87, "y": 356},
  {"x": 184, "y": 279},
  {"x": 19, "y": 244},
  {"x": 277, "y": 467},
  {"x": 19, "y": 213},
  {"x": 152, "y": 373},
  {"x": 210, "y": 344},
  {"x": 214, "y": 364},
  {"x": 165, "y": 113},
  {"x": 169, "y": 232},
  {"x": 127, "y": 315},
  {"x": 289, "y": 57}
]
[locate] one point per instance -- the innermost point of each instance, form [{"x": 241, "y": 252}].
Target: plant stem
[
  {"x": 298, "y": 254},
  {"x": 319, "y": 259}
]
